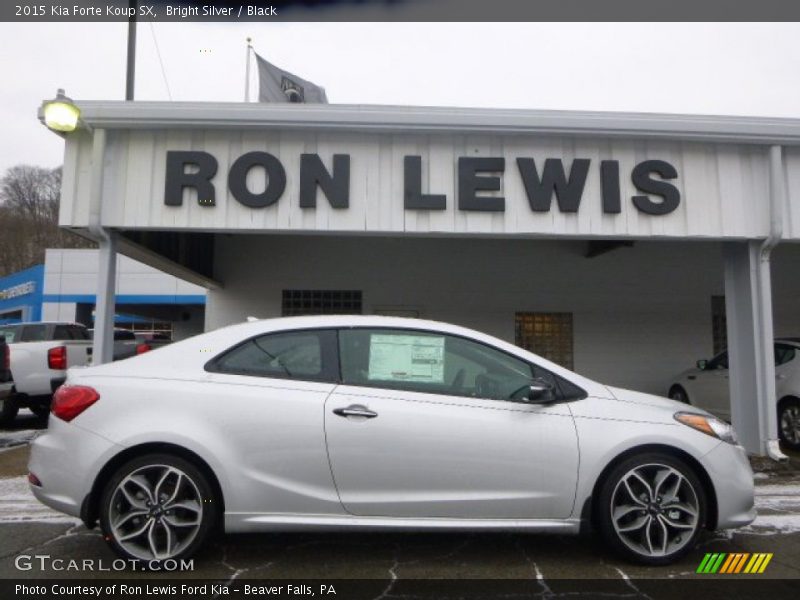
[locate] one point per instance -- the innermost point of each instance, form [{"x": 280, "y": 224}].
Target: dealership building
[
  {"x": 623, "y": 246},
  {"x": 63, "y": 289}
]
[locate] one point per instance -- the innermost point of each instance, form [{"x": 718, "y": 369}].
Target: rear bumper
[
  {"x": 67, "y": 459},
  {"x": 732, "y": 477}
]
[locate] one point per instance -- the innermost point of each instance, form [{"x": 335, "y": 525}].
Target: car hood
[{"x": 653, "y": 400}]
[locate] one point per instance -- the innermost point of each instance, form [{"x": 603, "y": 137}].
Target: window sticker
[{"x": 406, "y": 358}]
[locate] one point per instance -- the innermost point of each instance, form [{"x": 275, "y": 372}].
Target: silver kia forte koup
[{"x": 372, "y": 422}]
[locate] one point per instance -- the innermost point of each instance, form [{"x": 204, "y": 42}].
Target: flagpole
[{"x": 247, "y": 72}]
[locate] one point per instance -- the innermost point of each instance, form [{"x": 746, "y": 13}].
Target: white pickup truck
[{"x": 40, "y": 354}]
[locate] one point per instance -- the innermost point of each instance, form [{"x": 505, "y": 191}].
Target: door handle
[{"x": 355, "y": 410}]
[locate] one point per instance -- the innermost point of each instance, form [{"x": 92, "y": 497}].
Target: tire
[
  {"x": 677, "y": 392},
  {"x": 40, "y": 409},
  {"x": 8, "y": 410},
  {"x": 672, "y": 525},
  {"x": 174, "y": 529},
  {"x": 789, "y": 422}
]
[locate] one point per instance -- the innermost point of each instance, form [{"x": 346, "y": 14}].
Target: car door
[
  {"x": 270, "y": 391},
  {"x": 424, "y": 426},
  {"x": 786, "y": 368},
  {"x": 711, "y": 387}
]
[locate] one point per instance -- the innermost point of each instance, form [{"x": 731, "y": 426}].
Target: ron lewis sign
[{"x": 479, "y": 179}]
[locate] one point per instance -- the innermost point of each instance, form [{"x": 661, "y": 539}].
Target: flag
[{"x": 277, "y": 85}]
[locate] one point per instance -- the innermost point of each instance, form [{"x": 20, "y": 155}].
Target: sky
[{"x": 726, "y": 69}]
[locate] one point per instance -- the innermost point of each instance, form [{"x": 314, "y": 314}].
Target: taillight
[
  {"x": 142, "y": 348},
  {"x": 71, "y": 400},
  {"x": 57, "y": 358}
]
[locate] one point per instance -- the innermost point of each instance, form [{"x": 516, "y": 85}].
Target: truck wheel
[
  {"x": 40, "y": 409},
  {"x": 8, "y": 410}
]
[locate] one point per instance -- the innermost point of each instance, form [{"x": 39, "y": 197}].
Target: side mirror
[
  {"x": 540, "y": 392},
  {"x": 702, "y": 364}
]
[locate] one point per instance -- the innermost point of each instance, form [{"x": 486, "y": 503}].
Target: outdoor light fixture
[{"x": 60, "y": 115}]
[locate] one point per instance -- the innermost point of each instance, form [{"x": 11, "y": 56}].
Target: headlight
[{"x": 708, "y": 425}]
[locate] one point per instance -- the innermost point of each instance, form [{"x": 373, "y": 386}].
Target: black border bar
[{"x": 402, "y": 10}]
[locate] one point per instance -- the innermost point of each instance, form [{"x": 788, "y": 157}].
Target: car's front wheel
[
  {"x": 676, "y": 392},
  {"x": 651, "y": 508},
  {"x": 789, "y": 422},
  {"x": 157, "y": 507}
]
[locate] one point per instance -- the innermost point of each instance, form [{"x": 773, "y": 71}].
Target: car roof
[{"x": 301, "y": 322}]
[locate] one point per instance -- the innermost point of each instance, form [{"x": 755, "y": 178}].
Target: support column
[
  {"x": 103, "y": 351},
  {"x": 748, "y": 305}
]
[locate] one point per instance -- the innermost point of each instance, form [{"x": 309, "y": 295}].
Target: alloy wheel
[
  {"x": 155, "y": 512},
  {"x": 655, "y": 510},
  {"x": 790, "y": 424}
]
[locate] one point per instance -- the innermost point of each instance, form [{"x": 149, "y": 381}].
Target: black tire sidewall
[
  {"x": 781, "y": 407},
  {"x": 678, "y": 389},
  {"x": 603, "y": 518},
  {"x": 211, "y": 503},
  {"x": 8, "y": 410}
]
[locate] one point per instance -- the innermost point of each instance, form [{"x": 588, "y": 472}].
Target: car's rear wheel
[
  {"x": 676, "y": 392},
  {"x": 157, "y": 507},
  {"x": 651, "y": 508},
  {"x": 789, "y": 422}
]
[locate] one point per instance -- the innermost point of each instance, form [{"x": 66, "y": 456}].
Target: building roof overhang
[{"x": 431, "y": 120}]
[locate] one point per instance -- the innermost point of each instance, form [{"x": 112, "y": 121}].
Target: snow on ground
[
  {"x": 11, "y": 439},
  {"x": 778, "y": 507},
  {"x": 18, "y": 504}
]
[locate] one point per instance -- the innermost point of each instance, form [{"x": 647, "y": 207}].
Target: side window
[
  {"x": 33, "y": 333},
  {"x": 78, "y": 333},
  {"x": 429, "y": 362},
  {"x": 720, "y": 361},
  {"x": 301, "y": 355},
  {"x": 783, "y": 354},
  {"x": 10, "y": 333},
  {"x": 61, "y": 333}
]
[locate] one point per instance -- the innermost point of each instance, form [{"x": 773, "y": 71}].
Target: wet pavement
[{"x": 29, "y": 528}]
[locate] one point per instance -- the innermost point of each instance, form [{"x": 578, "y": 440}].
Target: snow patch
[
  {"x": 17, "y": 504},
  {"x": 11, "y": 439}
]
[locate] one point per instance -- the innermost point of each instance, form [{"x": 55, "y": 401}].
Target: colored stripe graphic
[{"x": 736, "y": 562}]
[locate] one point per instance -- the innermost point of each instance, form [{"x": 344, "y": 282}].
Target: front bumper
[
  {"x": 732, "y": 478},
  {"x": 67, "y": 459}
]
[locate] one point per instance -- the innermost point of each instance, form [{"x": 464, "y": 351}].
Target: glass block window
[
  {"x": 719, "y": 324},
  {"x": 321, "y": 302},
  {"x": 546, "y": 334}
]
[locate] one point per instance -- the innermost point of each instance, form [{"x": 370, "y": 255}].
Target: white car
[
  {"x": 377, "y": 422},
  {"x": 706, "y": 387}
]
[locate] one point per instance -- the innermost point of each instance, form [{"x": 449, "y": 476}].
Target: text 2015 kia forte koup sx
[{"x": 375, "y": 422}]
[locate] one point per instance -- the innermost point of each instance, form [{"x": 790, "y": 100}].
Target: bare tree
[{"x": 29, "y": 199}]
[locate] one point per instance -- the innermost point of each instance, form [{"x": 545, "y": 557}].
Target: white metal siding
[{"x": 724, "y": 187}]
